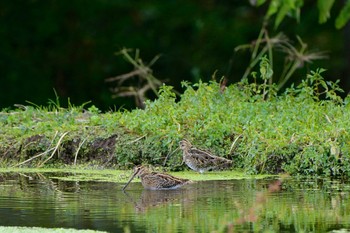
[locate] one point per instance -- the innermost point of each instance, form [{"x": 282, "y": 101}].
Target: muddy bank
[
  {"x": 41, "y": 150},
  {"x": 113, "y": 150}
]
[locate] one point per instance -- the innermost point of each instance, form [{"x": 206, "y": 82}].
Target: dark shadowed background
[{"x": 70, "y": 46}]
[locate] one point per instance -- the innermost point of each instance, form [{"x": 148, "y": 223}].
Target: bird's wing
[
  {"x": 167, "y": 180},
  {"x": 207, "y": 157}
]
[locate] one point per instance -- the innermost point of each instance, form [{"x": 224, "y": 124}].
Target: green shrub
[
  {"x": 304, "y": 130},
  {"x": 301, "y": 131}
]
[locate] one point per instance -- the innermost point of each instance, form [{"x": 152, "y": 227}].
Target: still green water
[{"x": 246, "y": 205}]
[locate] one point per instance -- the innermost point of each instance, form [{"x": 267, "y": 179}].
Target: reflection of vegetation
[
  {"x": 318, "y": 210},
  {"x": 43, "y": 230},
  {"x": 241, "y": 205},
  {"x": 279, "y": 212}
]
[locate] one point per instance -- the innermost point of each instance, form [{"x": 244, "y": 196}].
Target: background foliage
[
  {"x": 70, "y": 45},
  {"x": 303, "y": 131}
]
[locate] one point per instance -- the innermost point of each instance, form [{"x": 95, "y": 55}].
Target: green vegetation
[
  {"x": 271, "y": 120},
  {"x": 83, "y": 37},
  {"x": 44, "y": 230},
  {"x": 292, "y": 8},
  {"x": 122, "y": 176},
  {"x": 301, "y": 131},
  {"x": 257, "y": 122}
]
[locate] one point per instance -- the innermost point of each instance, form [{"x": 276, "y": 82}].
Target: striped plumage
[
  {"x": 156, "y": 180},
  {"x": 200, "y": 160}
]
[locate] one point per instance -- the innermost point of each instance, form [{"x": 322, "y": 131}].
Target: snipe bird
[
  {"x": 200, "y": 160},
  {"x": 156, "y": 180}
]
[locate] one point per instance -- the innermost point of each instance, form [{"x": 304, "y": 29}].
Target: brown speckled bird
[
  {"x": 200, "y": 160},
  {"x": 156, "y": 180}
]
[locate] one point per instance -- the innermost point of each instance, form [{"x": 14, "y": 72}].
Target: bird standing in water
[
  {"x": 200, "y": 160},
  {"x": 156, "y": 180}
]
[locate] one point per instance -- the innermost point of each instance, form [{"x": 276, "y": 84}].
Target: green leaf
[
  {"x": 287, "y": 7},
  {"x": 273, "y": 7},
  {"x": 324, "y": 7},
  {"x": 296, "y": 12},
  {"x": 344, "y": 16},
  {"x": 260, "y": 2},
  {"x": 265, "y": 68}
]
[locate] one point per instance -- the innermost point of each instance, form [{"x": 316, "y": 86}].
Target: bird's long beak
[{"x": 131, "y": 178}]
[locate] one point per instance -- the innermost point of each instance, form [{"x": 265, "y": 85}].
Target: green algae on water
[{"x": 44, "y": 230}]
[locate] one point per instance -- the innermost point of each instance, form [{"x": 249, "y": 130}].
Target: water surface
[{"x": 248, "y": 205}]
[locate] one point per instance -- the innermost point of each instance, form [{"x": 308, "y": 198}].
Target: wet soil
[{"x": 39, "y": 148}]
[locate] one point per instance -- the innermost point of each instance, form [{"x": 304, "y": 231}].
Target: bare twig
[
  {"x": 327, "y": 117},
  {"x": 145, "y": 81},
  {"x": 55, "y": 149},
  {"x": 123, "y": 77},
  {"x": 234, "y": 142},
  {"x": 137, "y": 139},
  {"x": 76, "y": 153},
  {"x": 36, "y": 156}
]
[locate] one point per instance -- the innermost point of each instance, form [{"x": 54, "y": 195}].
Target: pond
[{"x": 48, "y": 200}]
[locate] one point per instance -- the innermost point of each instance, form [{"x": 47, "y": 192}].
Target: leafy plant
[
  {"x": 294, "y": 58},
  {"x": 294, "y": 132},
  {"x": 282, "y": 8},
  {"x": 303, "y": 130}
]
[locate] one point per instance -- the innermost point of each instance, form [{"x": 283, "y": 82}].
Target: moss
[{"x": 122, "y": 176}]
